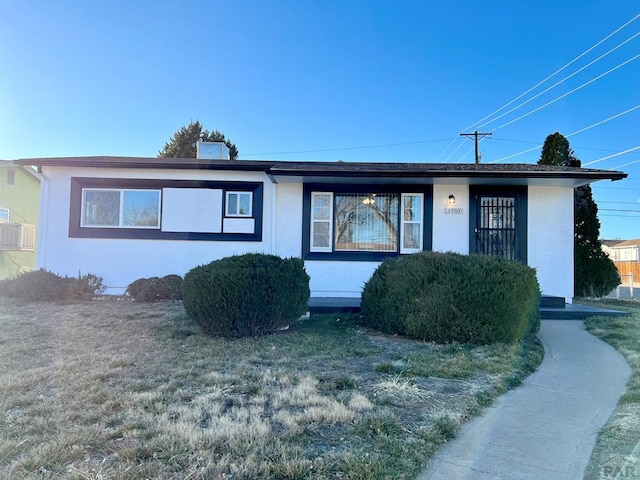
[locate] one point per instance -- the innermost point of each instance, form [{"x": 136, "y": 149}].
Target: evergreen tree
[
  {"x": 594, "y": 272},
  {"x": 183, "y": 142}
]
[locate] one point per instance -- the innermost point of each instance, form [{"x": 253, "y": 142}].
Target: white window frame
[
  {"x": 121, "y": 208},
  {"x": 404, "y": 222},
  {"x": 228, "y": 213},
  {"x": 313, "y": 221},
  {"x": 8, "y": 220}
]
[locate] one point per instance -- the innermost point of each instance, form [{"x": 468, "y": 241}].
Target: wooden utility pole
[{"x": 476, "y": 134}]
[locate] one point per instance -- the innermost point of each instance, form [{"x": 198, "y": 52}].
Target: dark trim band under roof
[{"x": 332, "y": 169}]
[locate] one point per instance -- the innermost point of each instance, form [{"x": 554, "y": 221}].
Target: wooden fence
[{"x": 625, "y": 268}]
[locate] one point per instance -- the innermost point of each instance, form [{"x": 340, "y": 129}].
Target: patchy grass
[
  {"x": 617, "y": 450},
  {"x": 118, "y": 389}
]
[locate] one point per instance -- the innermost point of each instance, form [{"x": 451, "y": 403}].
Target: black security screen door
[{"x": 496, "y": 226}]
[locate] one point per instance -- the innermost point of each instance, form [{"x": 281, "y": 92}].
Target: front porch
[{"x": 551, "y": 308}]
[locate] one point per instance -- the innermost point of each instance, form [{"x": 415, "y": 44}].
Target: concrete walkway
[{"x": 546, "y": 428}]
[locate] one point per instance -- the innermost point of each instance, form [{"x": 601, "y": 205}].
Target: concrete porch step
[{"x": 550, "y": 309}]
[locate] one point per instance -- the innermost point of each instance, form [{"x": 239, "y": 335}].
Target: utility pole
[{"x": 476, "y": 134}]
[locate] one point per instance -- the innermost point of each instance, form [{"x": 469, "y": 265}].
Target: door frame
[{"x": 520, "y": 195}]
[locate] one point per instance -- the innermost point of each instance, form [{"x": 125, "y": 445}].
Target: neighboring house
[
  {"x": 622, "y": 250},
  {"x": 607, "y": 247},
  {"x": 126, "y": 218},
  {"x": 19, "y": 202}
]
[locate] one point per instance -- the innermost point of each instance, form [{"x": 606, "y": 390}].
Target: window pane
[
  {"x": 101, "y": 208},
  {"x": 232, "y": 204},
  {"x": 321, "y": 207},
  {"x": 4, "y": 215},
  {"x": 141, "y": 208},
  {"x": 239, "y": 204},
  {"x": 245, "y": 204},
  {"x": 321, "y": 234},
  {"x": 367, "y": 222},
  {"x": 412, "y": 208},
  {"x": 411, "y": 238}
]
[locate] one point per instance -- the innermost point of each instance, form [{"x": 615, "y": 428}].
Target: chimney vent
[{"x": 212, "y": 151}]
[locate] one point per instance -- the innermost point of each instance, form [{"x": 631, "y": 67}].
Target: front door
[{"x": 499, "y": 226}]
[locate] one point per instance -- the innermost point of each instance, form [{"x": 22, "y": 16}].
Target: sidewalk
[{"x": 547, "y": 427}]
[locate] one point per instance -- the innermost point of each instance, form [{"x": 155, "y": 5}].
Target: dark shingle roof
[{"x": 332, "y": 169}]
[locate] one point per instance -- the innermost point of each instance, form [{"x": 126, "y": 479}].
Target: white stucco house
[{"x": 124, "y": 218}]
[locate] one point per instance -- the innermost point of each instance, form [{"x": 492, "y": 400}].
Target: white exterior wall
[
  {"x": 120, "y": 261},
  {"x": 550, "y": 239},
  {"x": 288, "y": 218},
  {"x": 338, "y": 279},
  {"x": 450, "y": 230}
]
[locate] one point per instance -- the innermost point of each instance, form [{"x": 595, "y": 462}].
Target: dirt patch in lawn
[{"x": 120, "y": 389}]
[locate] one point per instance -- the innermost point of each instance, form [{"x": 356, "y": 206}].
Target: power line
[
  {"x": 613, "y": 117},
  {"x": 559, "y": 82},
  {"x": 611, "y": 156},
  {"x": 626, "y": 164},
  {"x": 347, "y": 148},
  {"x": 538, "y": 143},
  {"x": 604, "y": 121},
  {"x": 569, "y": 92},
  {"x": 554, "y": 73}
]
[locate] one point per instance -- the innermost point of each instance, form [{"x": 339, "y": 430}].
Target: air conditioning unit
[
  {"x": 212, "y": 151},
  {"x": 17, "y": 236}
]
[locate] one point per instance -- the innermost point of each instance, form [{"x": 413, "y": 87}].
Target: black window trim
[
  {"x": 78, "y": 231},
  {"x": 308, "y": 188}
]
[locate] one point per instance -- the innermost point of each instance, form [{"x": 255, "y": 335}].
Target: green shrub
[
  {"x": 45, "y": 285},
  {"x": 246, "y": 295},
  {"x": 447, "y": 297},
  {"x": 151, "y": 289},
  {"x": 85, "y": 287}
]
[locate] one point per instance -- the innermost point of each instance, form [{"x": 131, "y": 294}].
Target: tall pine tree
[
  {"x": 594, "y": 272},
  {"x": 183, "y": 143}
]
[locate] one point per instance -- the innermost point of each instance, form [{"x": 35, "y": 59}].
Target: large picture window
[
  {"x": 366, "y": 222},
  {"x": 120, "y": 208},
  {"x": 369, "y": 222}
]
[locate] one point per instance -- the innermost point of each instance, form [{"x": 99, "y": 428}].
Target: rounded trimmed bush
[
  {"x": 445, "y": 297},
  {"x": 151, "y": 289},
  {"x": 246, "y": 295}
]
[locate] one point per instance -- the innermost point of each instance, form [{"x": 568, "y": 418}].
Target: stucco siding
[
  {"x": 288, "y": 230},
  {"x": 120, "y": 261},
  {"x": 550, "y": 239},
  {"x": 338, "y": 279},
  {"x": 450, "y": 225}
]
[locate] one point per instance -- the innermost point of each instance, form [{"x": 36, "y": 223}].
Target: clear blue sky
[{"x": 353, "y": 80}]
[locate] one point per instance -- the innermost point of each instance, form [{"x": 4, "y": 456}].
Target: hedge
[
  {"x": 246, "y": 295},
  {"x": 445, "y": 297}
]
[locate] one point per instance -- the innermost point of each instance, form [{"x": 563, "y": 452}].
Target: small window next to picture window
[
  {"x": 4, "y": 215},
  {"x": 238, "y": 204}
]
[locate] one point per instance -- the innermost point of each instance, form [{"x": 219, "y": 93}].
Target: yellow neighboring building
[{"x": 19, "y": 203}]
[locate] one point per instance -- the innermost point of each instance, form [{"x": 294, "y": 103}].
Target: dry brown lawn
[{"x": 115, "y": 389}]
